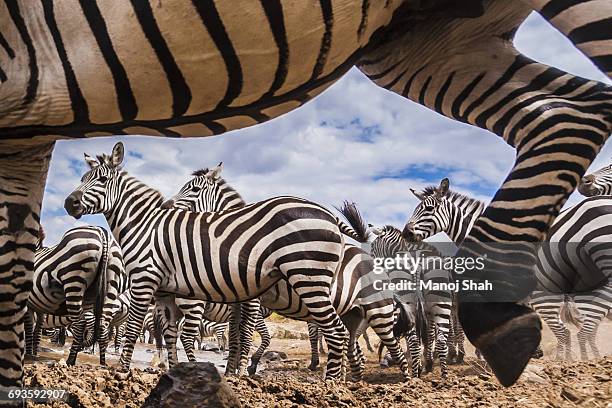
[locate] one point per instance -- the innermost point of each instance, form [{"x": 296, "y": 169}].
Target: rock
[
  {"x": 271, "y": 355},
  {"x": 535, "y": 373},
  {"x": 192, "y": 385}
]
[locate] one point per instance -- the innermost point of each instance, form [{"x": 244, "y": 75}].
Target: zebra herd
[
  {"x": 198, "y": 68},
  {"x": 179, "y": 266}
]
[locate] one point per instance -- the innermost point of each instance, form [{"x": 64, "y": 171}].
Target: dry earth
[{"x": 546, "y": 383}]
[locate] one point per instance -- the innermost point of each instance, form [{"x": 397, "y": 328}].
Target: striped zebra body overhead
[
  {"x": 353, "y": 295},
  {"x": 84, "y": 271},
  {"x": 223, "y": 257},
  {"x": 91, "y": 68}
]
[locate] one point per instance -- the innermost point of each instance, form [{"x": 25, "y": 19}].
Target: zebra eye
[
  {"x": 195, "y": 189},
  {"x": 103, "y": 179},
  {"x": 429, "y": 208}
]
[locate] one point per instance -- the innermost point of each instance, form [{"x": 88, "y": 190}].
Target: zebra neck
[
  {"x": 463, "y": 219},
  {"x": 228, "y": 198},
  {"x": 135, "y": 209}
]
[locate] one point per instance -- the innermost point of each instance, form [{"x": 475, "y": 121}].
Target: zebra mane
[
  {"x": 200, "y": 173},
  {"x": 452, "y": 196}
]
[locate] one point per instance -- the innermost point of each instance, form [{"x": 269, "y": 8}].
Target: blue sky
[{"x": 356, "y": 141}]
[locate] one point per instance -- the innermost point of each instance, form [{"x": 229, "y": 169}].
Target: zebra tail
[
  {"x": 358, "y": 230},
  {"x": 569, "y": 313},
  {"x": 102, "y": 286}
]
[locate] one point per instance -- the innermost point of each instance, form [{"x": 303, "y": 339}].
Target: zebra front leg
[
  {"x": 249, "y": 313},
  {"x": 556, "y": 121},
  {"x": 234, "y": 339},
  {"x": 144, "y": 284},
  {"x": 429, "y": 346},
  {"x": 23, "y": 171},
  {"x": 313, "y": 336},
  {"x": 262, "y": 329},
  {"x": 414, "y": 348}
]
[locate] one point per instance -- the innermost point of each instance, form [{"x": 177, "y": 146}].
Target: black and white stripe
[
  {"x": 55, "y": 60},
  {"x": 84, "y": 271},
  {"x": 353, "y": 294}
]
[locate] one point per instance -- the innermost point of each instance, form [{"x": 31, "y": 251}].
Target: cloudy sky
[{"x": 356, "y": 141}]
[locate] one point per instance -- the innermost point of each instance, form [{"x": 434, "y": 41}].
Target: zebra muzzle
[{"x": 73, "y": 205}]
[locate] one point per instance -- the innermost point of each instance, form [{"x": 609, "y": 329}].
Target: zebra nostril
[{"x": 73, "y": 205}]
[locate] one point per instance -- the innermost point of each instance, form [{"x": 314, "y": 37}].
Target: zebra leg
[
  {"x": 38, "y": 324},
  {"x": 381, "y": 319},
  {"x": 262, "y": 329},
  {"x": 458, "y": 339},
  {"x": 28, "y": 325},
  {"x": 249, "y": 312},
  {"x": 414, "y": 348},
  {"x": 143, "y": 287},
  {"x": 167, "y": 312},
  {"x": 442, "y": 348},
  {"x": 220, "y": 330},
  {"x": 366, "y": 338},
  {"x": 586, "y": 23},
  {"x": 317, "y": 301},
  {"x": 429, "y": 346},
  {"x": 313, "y": 336},
  {"x": 320, "y": 339},
  {"x": 191, "y": 329},
  {"x": 556, "y": 121},
  {"x": 234, "y": 339},
  {"x": 119, "y": 333},
  {"x": 23, "y": 171},
  {"x": 78, "y": 329}
]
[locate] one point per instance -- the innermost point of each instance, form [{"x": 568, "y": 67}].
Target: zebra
[
  {"x": 299, "y": 239},
  {"x": 83, "y": 271},
  {"x": 576, "y": 230},
  {"x": 88, "y": 78},
  {"x": 578, "y": 240},
  {"x": 597, "y": 183},
  {"x": 351, "y": 288},
  {"x": 210, "y": 329},
  {"x": 431, "y": 309}
]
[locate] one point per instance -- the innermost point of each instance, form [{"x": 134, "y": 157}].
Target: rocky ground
[{"x": 288, "y": 383}]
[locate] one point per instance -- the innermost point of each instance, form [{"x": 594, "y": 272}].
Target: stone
[{"x": 196, "y": 384}]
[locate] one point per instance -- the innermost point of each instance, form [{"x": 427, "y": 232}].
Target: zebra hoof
[
  {"x": 251, "y": 370},
  {"x": 71, "y": 361},
  {"x": 509, "y": 346},
  {"x": 313, "y": 366},
  {"x": 429, "y": 366}
]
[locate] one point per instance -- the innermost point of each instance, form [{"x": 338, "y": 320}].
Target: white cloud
[{"x": 356, "y": 142}]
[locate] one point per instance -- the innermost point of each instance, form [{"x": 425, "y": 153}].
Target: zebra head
[
  {"x": 597, "y": 183},
  {"x": 95, "y": 194},
  {"x": 432, "y": 215},
  {"x": 388, "y": 242},
  {"x": 206, "y": 192}
]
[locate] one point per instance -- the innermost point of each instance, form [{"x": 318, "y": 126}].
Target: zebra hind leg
[
  {"x": 78, "y": 329},
  {"x": 313, "y": 336},
  {"x": 262, "y": 329},
  {"x": 249, "y": 312}
]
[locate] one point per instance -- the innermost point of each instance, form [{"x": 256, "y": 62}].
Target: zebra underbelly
[{"x": 215, "y": 67}]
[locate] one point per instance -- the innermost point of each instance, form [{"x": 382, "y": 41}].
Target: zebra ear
[
  {"x": 93, "y": 163},
  {"x": 442, "y": 190},
  {"x": 417, "y": 195},
  {"x": 117, "y": 155},
  {"x": 215, "y": 172}
]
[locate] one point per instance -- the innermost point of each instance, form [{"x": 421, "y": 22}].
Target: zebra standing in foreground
[
  {"x": 221, "y": 257},
  {"x": 100, "y": 68},
  {"x": 353, "y": 295},
  {"x": 83, "y": 271}
]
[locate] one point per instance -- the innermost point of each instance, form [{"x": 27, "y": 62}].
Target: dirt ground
[{"x": 288, "y": 383}]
